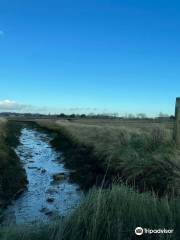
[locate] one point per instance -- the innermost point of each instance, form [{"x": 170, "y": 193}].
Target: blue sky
[{"x": 102, "y": 56}]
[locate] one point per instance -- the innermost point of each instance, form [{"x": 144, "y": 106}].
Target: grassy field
[
  {"x": 12, "y": 175},
  {"x": 144, "y": 156},
  {"x": 141, "y": 163},
  {"x": 139, "y": 123}
]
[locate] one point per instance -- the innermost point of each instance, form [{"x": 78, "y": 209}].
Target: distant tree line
[{"x": 83, "y": 116}]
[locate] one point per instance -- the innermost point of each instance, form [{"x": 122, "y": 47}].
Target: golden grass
[
  {"x": 144, "y": 156},
  {"x": 106, "y": 137}
]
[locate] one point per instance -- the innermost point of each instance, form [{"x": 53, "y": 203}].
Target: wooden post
[{"x": 177, "y": 122}]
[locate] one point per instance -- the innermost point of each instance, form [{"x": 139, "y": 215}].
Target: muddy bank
[{"x": 87, "y": 169}]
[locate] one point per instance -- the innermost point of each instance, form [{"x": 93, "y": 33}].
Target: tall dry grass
[
  {"x": 144, "y": 158},
  {"x": 147, "y": 159}
]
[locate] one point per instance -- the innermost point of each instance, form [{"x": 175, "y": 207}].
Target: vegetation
[
  {"x": 12, "y": 175},
  {"x": 145, "y": 162},
  {"x": 147, "y": 159},
  {"x": 110, "y": 214},
  {"x": 91, "y": 116}
]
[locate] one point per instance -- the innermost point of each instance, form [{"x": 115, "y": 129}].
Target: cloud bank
[
  {"x": 8, "y": 105},
  {"x": 11, "y": 105}
]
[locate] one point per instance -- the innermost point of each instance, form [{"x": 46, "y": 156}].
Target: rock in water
[
  {"x": 50, "y": 200},
  {"x": 59, "y": 176},
  {"x": 43, "y": 170},
  {"x": 46, "y": 211}
]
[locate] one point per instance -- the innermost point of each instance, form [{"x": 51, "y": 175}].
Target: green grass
[
  {"x": 110, "y": 214},
  {"x": 12, "y": 175},
  {"x": 144, "y": 158},
  {"x": 147, "y": 159}
]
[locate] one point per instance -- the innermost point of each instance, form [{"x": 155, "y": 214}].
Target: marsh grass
[
  {"x": 12, "y": 174},
  {"x": 145, "y": 158},
  {"x": 108, "y": 214}
]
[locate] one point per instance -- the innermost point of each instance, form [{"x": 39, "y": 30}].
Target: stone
[
  {"x": 49, "y": 213},
  {"x": 51, "y": 191},
  {"x": 50, "y": 200},
  {"x": 43, "y": 171},
  {"x": 43, "y": 210},
  {"x": 32, "y": 167},
  {"x": 59, "y": 176},
  {"x": 29, "y": 155},
  {"x": 46, "y": 211}
]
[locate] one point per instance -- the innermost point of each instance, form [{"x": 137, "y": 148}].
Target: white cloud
[
  {"x": 7, "y": 102},
  {"x": 11, "y": 105},
  {"x": 8, "y": 105}
]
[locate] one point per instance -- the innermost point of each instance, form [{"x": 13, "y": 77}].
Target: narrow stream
[{"x": 45, "y": 197}]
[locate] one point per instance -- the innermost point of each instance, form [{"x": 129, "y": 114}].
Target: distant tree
[
  {"x": 141, "y": 115},
  {"x": 172, "y": 117},
  {"x": 131, "y": 116},
  {"x": 62, "y": 115},
  {"x": 161, "y": 115},
  {"x": 83, "y": 115}
]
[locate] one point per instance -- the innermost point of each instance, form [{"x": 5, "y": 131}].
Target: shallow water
[{"x": 41, "y": 161}]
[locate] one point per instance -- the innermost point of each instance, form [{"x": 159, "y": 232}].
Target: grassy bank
[
  {"x": 145, "y": 157},
  {"x": 12, "y": 175},
  {"x": 110, "y": 214}
]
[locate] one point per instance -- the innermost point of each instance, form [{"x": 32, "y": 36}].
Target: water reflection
[{"x": 44, "y": 197}]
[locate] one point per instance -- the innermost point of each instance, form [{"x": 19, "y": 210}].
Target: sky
[{"x": 89, "y": 56}]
